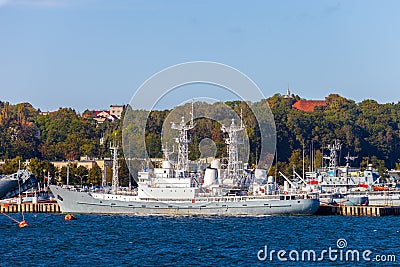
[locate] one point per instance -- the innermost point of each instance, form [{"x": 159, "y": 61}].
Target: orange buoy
[
  {"x": 23, "y": 224},
  {"x": 69, "y": 217}
]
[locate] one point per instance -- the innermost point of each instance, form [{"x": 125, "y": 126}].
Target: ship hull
[
  {"x": 346, "y": 201},
  {"x": 14, "y": 184},
  {"x": 6, "y": 185},
  {"x": 385, "y": 198},
  {"x": 84, "y": 202}
]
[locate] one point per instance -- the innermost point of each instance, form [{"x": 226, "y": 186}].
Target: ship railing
[
  {"x": 226, "y": 199},
  {"x": 243, "y": 198}
]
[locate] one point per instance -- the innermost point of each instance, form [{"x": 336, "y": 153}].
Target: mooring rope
[{"x": 8, "y": 216}]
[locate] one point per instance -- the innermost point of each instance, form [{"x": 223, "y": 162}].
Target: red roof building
[{"x": 308, "y": 105}]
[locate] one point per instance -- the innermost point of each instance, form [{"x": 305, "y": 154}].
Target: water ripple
[{"x": 123, "y": 240}]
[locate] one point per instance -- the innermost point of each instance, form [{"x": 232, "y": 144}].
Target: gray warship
[
  {"x": 13, "y": 184},
  {"x": 337, "y": 185},
  {"x": 173, "y": 190}
]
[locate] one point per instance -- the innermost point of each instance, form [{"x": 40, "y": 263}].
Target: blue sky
[{"x": 92, "y": 53}]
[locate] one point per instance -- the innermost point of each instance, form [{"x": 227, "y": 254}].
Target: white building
[{"x": 116, "y": 110}]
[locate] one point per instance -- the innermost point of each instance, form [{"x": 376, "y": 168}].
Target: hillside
[{"x": 367, "y": 129}]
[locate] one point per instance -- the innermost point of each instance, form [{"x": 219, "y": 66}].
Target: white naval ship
[{"x": 173, "y": 190}]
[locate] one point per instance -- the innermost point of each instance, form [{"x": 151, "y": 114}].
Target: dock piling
[
  {"x": 30, "y": 208},
  {"x": 374, "y": 211}
]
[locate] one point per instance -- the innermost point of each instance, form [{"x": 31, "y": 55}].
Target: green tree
[
  {"x": 95, "y": 175},
  {"x": 12, "y": 166},
  {"x": 74, "y": 179},
  {"x": 66, "y": 135},
  {"x": 123, "y": 173},
  {"x": 82, "y": 174}
]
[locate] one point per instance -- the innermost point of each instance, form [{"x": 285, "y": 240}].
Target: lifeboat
[
  {"x": 380, "y": 188},
  {"x": 363, "y": 185}
]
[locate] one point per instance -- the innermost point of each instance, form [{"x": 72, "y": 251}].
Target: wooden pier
[
  {"x": 359, "y": 210},
  {"x": 30, "y": 207}
]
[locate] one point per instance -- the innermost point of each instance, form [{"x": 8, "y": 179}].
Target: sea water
[{"x": 122, "y": 240}]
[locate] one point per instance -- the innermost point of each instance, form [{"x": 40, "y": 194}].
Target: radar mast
[{"x": 183, "y": 144}]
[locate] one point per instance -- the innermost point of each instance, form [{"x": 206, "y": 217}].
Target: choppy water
[{"x": 119, "y": 240}]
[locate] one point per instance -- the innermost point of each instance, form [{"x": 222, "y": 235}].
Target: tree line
[{"x": 367, "y": 129}]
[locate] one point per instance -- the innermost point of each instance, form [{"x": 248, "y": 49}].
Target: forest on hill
[{"x": 367, "y": 129}]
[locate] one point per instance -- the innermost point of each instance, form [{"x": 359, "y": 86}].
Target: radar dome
[
  {"x": 216, "y": 164},
  {"x": 166, "y": 164}
]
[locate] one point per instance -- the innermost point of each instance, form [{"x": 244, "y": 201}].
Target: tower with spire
[{"x": 288, "y": 94}]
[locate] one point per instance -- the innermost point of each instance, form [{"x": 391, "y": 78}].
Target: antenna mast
[
  {"x": 183, "y": 143},
  {"x": 233, "y": 152},
  {"x": 114, "y": 152},
  {"x": 336, "y": 146},
  {"x": 166, "y": 151},
  {"x": 349, "y": 158}
]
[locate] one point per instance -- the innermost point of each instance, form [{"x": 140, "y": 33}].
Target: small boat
[{"x": 37, "y": 196}]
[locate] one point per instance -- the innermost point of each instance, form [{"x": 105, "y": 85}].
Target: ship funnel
[
  {"x": 260, "y": 173},
  {"x": 210, "y": 177},
  {"x": 166, "y": 164},
  {"x": 285, "y": 186},
  {"x": 216, "y": 164}
]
